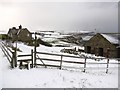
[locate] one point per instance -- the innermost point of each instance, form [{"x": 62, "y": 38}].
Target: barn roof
[
  {"x": 114, "y": 39},
  {"x": 86, "y": 38}
]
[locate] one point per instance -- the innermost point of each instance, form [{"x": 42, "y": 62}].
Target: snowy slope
[{"x": 55, "y": 78}]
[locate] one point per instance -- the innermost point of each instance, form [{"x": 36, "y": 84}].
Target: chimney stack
[{"x": 20, "y": 27}]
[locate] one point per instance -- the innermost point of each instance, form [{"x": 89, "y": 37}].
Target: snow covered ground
[
  {"x": 94, "y": 77},
  {"x": 1, "y": 69}
]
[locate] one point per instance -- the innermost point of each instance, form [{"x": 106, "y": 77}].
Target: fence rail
[
  {"x": 24, "y": 55},
  {"x": 6, "y": 54},
  {"x": 11, "y": 55},
  {"x": 57, "y": 54},
  {"x": 26, "y": 59},
  {"x": 7, "y": 47},
  {"x": 61, "y": 61},
  {"x": 49, "y": 65}
]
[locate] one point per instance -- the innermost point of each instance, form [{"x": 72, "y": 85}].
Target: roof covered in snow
[
  {"x": 86, "y": 38},
  {"x": 111, "y": 38}
]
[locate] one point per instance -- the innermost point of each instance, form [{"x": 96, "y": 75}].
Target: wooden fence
[
  {"x": 61, "y": 61},
  {"x": 10, "y": 54},
  {"x": 57, "y": 60}
]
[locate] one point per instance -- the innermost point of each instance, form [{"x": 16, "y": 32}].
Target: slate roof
[{"x": 112, "y": 38}]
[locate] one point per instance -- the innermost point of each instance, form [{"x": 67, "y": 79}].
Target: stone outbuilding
[{"x": 106, "y": 45}]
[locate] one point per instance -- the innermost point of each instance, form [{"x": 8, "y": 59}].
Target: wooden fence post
[
  {"x": 85, "y": 64},
  {"x": 14, "y": 61},
  {"x": 35, "y": 50},
  {"x": 61, "y": 62},
  {"x": 107, "y": 65},
  {"x": 32, "y": 57},
  {"x": 15, "y": 57},
  {"x": 107, "y": 60}
]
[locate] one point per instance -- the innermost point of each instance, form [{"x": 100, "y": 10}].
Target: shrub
[{"x": 5, "y": 37}]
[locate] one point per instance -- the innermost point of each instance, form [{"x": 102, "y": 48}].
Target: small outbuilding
[{"x": 106, "y": 45}]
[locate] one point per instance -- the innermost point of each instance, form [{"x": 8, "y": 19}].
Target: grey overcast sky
[{"x": 60, "y": 16}]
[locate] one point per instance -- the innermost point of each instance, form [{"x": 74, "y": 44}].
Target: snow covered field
[
  {"x": 55, "y": 78},
  {"x": 1, "y": 69}
]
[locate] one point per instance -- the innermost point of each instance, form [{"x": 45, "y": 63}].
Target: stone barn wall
[{"x": 99, "y": 45}]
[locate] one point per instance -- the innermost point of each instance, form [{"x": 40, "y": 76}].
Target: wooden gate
[{"x": 27, "y": 60}]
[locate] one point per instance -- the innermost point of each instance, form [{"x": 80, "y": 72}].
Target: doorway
[
  {"x": 118, "y": 52},
  {"x": 100, "y": 51},
  {"x": 88, "y": 49}
]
